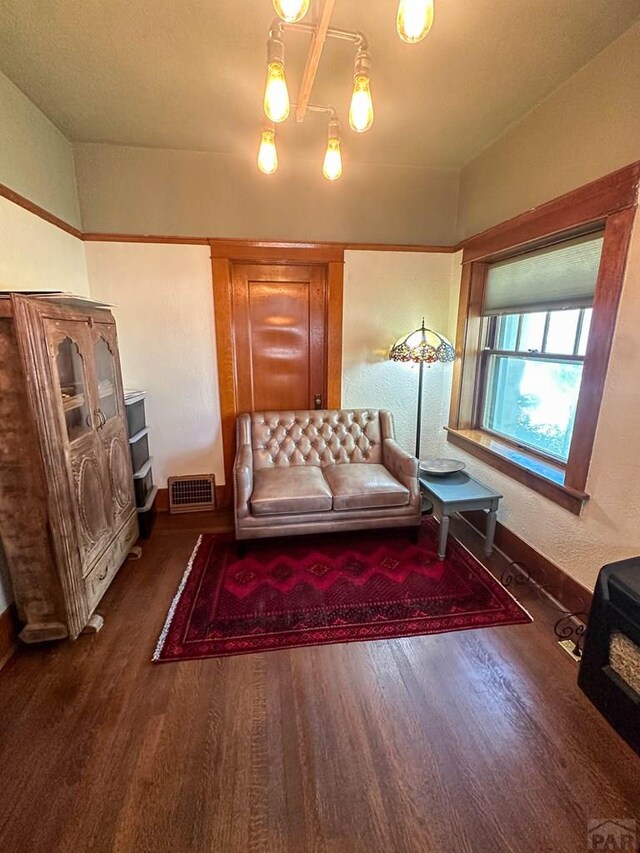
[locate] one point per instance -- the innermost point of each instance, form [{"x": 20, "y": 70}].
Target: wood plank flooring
[{"x": 471, "y": 741}]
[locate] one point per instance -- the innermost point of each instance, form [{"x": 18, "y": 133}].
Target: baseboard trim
[
  {"x": 560, "y": 585},
  {"x": 162, "y": 499},
  {"x": 9, "y": 630}
]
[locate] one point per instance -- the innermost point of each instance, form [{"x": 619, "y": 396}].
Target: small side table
[{"x": 456, "y": 493}]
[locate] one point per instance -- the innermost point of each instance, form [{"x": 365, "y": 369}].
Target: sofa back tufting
[{"x": 320, "y": 438}]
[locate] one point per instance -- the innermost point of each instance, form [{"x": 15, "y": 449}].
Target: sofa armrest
[
  {"x": 243, "y": 480},
  {"x": 403, "y": 466}
]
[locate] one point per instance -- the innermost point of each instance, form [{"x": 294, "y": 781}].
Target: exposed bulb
[
  {"x": 276, "y": 95},
  {"x": 332, "y": 166},
  {"x": 415, "y": 18},
  {"x": 268, "y": 154},
  {"x": 291, "y": 11},
  {"x": 361, "y": 111}
]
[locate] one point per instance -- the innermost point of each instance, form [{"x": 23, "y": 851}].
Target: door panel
[
  {"x": 111, "y": 426},
  {"x": 70, "y": 349},
  {"x": 280, "y": 336}
]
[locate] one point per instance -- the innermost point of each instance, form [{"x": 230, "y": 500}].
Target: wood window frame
[
  {"x": 223, "y": 255},
  {"x": 609, "y": 204}
]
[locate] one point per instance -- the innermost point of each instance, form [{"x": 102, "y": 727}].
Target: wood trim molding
[
  {"x": 617, "y": 237},
  {"x": 335, "y": 296},
  {"x": 9, "y": 630},
  {"x": 565, "y": 589},
  {"x": 399, "y": 247},
  {"x": 96, "y": 237},
  {"x": 223, "y": 315},
  {"x": 568, "y": 498},
  {"x": 265, "y": 252},
  {"x": 241, "y": 248},
  {"x": 586, "y": 205},
  {"x": 32, "y": 207}
]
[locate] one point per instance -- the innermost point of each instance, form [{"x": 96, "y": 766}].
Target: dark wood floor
[{"x": 471, "y": 741}]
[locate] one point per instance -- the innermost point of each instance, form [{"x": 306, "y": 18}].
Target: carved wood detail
[{"x": 67, "y": 489}]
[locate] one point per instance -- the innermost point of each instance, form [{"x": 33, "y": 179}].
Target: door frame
[{"x": 223, "y": 255}]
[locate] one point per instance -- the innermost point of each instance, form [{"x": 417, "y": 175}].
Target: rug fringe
[{"x": 176, "y": 598}]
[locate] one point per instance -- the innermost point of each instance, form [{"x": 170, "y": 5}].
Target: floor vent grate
[{"x": 196, "y": 493}]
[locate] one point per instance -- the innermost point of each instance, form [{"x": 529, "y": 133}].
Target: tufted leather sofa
[{"x": 313, "y": 471}]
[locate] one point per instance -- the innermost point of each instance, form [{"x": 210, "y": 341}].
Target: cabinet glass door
[
  {"x": 73, "y": 388},
  {"x": 106, "y": 375}
]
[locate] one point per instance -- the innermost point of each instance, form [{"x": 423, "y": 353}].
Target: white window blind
[{"x": 560, "y": 276}]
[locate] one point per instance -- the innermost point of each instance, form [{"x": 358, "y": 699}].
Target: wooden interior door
[{"x": 280, "y": 330}]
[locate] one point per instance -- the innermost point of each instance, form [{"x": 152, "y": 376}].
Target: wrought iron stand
[{"x": 570, "y": 625}]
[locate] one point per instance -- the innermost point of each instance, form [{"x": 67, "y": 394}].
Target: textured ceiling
[{"x": 190, "y": 73}]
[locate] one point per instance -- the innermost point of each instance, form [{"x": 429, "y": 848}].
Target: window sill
[{"x": 543, "y": 477}]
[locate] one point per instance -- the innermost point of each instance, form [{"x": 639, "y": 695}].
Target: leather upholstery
[
  {"x": 362, "y": 486},
  {"x": 321, "y": 438},
  {"x": 277, "y": 494},
  {"x": 296, "y": 489},
  {"x": 404, "y": 468}
]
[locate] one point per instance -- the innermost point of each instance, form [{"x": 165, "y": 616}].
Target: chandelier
[{"x": 413, "y": 22}]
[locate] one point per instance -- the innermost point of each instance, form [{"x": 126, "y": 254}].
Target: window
[
  {"x": 537, "y": 312},
  {"x": 536, "y": 320},
  {"x": 533, "y": 369}
]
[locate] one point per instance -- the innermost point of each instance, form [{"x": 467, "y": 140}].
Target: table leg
[
  {"x": 444, "y": 533},
  {"x": 491, "y": 532}
]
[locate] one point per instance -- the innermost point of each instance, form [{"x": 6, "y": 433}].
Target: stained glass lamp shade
[{"x": 422, "y": 346}]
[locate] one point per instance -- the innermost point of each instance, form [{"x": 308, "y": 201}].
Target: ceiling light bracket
[
  {"x": 317, "y": 108},
  {"x": 355, "y": 36}
]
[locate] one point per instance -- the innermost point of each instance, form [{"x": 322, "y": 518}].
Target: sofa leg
[{"x": 241, "y": 550}]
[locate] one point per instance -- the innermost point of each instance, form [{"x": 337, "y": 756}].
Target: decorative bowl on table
[{"x": 441, "y": 467}]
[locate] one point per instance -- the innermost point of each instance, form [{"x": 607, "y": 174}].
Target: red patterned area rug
[{"x": 330, "y": 589}]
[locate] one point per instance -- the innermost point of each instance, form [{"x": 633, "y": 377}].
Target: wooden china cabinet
[{"x": 67, "y": 509}]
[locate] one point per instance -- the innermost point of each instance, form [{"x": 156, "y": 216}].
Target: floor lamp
[{"x": 423, "y": 346}]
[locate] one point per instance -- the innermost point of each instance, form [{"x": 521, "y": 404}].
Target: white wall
[
  {"x": 586, "y": 128},
  {"x": 128, "y": 190},
  {"x": 386, "y": 294},
  {"x": 162, "y": 298},
  {"x": 163, "y": 305},
  {"x": 36, "y": 161},
  {"x": 35, "y": 255}
]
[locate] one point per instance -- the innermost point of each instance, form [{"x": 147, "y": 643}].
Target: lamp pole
[{"x": 419, "y": 416}]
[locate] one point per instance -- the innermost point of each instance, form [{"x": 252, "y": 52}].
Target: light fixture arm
[
  {"x": 317, "y": 108},
  {"x": 359, "y": 38}
]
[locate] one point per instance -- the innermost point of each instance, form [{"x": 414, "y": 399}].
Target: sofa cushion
[
  {"x": 364, "y": 485},
  {"x": 283, "y": 490}
]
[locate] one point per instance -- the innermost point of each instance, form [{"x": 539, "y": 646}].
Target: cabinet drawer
[
  {"x": 143, "y": 483},
  {"x": 106, "y": 567},
  {"x": 139, "y": 447}
]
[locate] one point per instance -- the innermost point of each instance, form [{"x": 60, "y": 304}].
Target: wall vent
[{"x": 196, "y": 493}]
